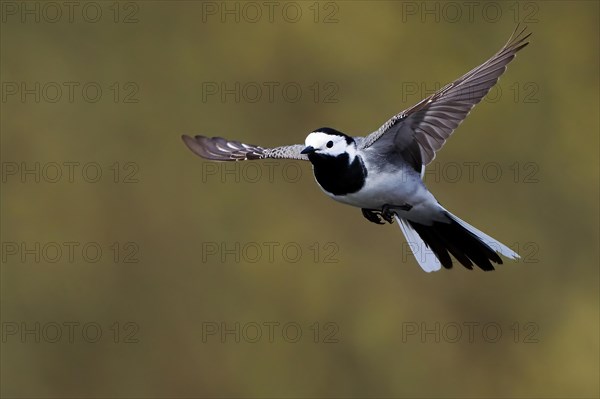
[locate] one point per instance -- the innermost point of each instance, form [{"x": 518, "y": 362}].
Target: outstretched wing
[
  {"x": 220, "y": 149},
  {"x": 428, "y": 124}
]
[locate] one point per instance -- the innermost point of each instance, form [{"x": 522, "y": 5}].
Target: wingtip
[
  {"x": 189, "y": 141},
  {"x": 195, "y": 145},
  {"x": 517, "y": 40}
]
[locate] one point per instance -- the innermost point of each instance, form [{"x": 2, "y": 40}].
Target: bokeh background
[{"x": 179, "y": 236}]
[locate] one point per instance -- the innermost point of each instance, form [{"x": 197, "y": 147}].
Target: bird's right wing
[{"x": 220, "y": 149}]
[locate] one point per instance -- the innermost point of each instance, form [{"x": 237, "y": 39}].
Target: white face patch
[{"x": 330, "y": 144}]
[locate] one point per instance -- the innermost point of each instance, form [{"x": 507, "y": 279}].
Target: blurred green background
[{"x": 164, "y": 219}]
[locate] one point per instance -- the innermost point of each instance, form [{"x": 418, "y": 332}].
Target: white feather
[{"x": 426, "y": 258}]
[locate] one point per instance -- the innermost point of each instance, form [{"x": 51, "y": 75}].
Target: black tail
[{"x": 452, "y": 238}]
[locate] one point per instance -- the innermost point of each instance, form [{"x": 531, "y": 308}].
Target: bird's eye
[{"x": 329, "y": 144}]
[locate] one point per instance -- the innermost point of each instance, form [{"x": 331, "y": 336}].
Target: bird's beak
[{"x": 308, "y": 150}]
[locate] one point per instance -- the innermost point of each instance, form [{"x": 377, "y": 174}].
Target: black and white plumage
[{"x": 382, "y": 172}]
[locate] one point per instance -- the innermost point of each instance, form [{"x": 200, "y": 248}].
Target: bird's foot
[
  {"x": 372, "y": 216},
  {"x": 387, "y": 211}
]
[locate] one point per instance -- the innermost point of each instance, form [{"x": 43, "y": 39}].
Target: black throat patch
[{"x": 336, "y": 176}]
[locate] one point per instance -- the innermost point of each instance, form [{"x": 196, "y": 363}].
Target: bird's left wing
[
  {"x": 220, "y": 149},
  {"x": 431, "y": 121}
]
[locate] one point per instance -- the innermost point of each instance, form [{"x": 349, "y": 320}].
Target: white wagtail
[{"x": 382, "y": 172}]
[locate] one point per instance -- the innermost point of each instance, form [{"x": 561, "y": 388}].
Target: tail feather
[
  {"x": 468, "y": 245},
  {"x": 427, "y": 261},
  {"x": 492, "y": 243}
]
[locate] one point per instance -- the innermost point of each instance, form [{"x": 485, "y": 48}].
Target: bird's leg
[
  {"x": 372, "y": 215},
  {"x": 387, "y": 211}
]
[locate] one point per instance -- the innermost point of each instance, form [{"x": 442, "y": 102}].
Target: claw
[
  {"x": 372, "y": 216},
  {"x": 387, "y": 213}
]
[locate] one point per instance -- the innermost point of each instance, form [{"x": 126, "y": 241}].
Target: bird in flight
[{"x": 382, "y": 173}]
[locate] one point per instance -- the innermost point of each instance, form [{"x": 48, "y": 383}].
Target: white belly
[{"x": 393, "y": 189}]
